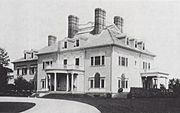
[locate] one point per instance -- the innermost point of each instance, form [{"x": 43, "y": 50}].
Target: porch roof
[
  {"x": 58, "y": 70},
  {"x": 155, "y": 74}
]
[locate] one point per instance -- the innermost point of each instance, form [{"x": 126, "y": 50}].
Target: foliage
[
  {"x": 4, "y": 58},
  {"x": 4, "y": 61},
  {"x": 174, "y": 85},
  {"x": 22, "y": 84}
]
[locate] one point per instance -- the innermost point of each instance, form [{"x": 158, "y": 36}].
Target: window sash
[
  {"x": 77, "y": 61},
  {"x": 97, "y": 60}
]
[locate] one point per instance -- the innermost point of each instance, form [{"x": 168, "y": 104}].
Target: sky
[{"x": 26, "y": 24}]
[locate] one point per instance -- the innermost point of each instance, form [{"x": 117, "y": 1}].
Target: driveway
[{"x": 53, "y": 105}]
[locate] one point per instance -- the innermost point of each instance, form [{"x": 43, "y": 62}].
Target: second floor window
[
  {"x": 123, "y": 61},
  {"x": 24, "y": 71},
  {"x": 47, "y": 63},
  {"x": 97, "y": 60},
  {"x": 77, "y": 61},
  {"x": 17, "y": 71},
  {"x": 65, "y": 44},
  {"x": 65, "y": 61},
  {"x": 77, "y": 43}
]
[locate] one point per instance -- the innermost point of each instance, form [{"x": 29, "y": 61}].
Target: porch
[
  {"x": 154, "y": 80},
  {"x": 62, "y": 80}
]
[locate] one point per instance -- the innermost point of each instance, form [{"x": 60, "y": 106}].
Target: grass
[
  {"x": 15, "y": 107},
  {"x": 140, "y": 105}
]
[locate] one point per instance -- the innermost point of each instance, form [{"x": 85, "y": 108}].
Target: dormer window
[
  {"x": 24, "y": 55},
  {"x": 135, "y": 44},
  {"x": 127, "y": 41},
  {"x": 65, "y": 44},
  {"x": 143, "y": 46},
  {"x": 77, "y": 43}
]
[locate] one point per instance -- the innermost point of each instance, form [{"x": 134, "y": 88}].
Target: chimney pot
[
  {"x": 118, "y": 21},
  {"x": 73, "y": 25},
  {"x": 100, "y": 17},
  {"x": 51, "y": 40}
]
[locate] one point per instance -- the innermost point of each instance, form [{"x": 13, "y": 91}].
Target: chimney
[
  {"x": 100, "y": 17},
  {"x": 118, "y": 21},
  {"x": 51, "y": 40},
  {"x": 73, "y": 25}
]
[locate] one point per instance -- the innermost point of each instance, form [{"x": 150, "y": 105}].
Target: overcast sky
[{"x": 25, "y": 24}]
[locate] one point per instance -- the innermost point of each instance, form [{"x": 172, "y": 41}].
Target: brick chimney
[
  {"x": 51, "y": 40},
  {"x": 100, "y": 17},
  {"x": 73, "y": 25},
  {"x": 118, "y": 21}
]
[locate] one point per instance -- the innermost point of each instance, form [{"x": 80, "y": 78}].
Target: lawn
[
  {"x": 14, "y": 107},
  {"x": 141, "y": 105}
]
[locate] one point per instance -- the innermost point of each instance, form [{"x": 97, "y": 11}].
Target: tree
[
  {"x": 174, "y": 84},
  {"x": 4, "y": 58},
  {"x": 4, "y": 61}
]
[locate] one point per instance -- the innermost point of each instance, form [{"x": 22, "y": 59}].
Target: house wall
[
  {"x": 132, "y": 71},
  {"x": 104, "y": 70},
  {"x": 41, "y": 72},
  {"x": 20, "y": 65}
]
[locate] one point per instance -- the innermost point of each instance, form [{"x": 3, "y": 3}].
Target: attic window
[
  {"x": 143, "y": 46},
  {"x": 135, "y": 44},
  {"x": 127, "y": 41},
  {"x": 77, "y": 43},
  {"x": 65, "y": 44}
]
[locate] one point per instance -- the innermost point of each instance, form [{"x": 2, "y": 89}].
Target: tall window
[
  {"x": 123, "y": 82},
  {"x": 127, "y": 41},
  {"x": 77, "y": 61},
  {"x": 65, "y": 44},
  {"x": 42, "y": 83},
  {"x": 123, "y": 61},
  {"x": 97, "y": 60},
  {"x": 102, "y": 60},
  {"x": 97, "y": 80},
  {"x": 91, "y": 83},
  {"x": 102, "y": 83},
  {"x": 135, "y": 44},
  {"x": 77, "y": 43},
  {"x": 18, "y": 71},
  {"x": 92, "y": 60}
]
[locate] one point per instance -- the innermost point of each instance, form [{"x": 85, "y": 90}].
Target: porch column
[
  {"x": 72, "y": 81},
  {"x": 67, "y": 82},
  {"x": 47, "y": 82},
  {"x": 55, "y": 80}
]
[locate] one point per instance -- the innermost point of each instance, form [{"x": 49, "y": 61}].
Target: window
[
  {"x": 119, "y": 83},
  {"x": 123, "y": 82},
  {"x": 17, "y": 71},
  {"x": 102, "y": 60},
  {"x": 119, "y": 60},
  {"x": 135, "y": 62},
  {"x": 143, "y": 46},
  {"x": 32, "y": 70},
  {"x": 92, "y": 59},
  {"x": 123, "y": 61},
  {"x": 149, "y": 66},
  {"x": 65, "y": 61},
  {"x": 32, "y": 55},
  {"x": 97, "y": 80},
  {"x": 65, "y": 44},
  {"x": 91, "y": 83},
  {"x": 24, "y": 71},
  {"x": 135, "y": 44},
  {"x": 97, "y": 60},
  {"x": 126, "y": 62},
  {"x": 47, "y": 63},
  {"x": 77, "y": 43},
  {"x": 102, "y": 83},
  {"x": 77, "y": 61},
  {"x": 127, "y": 41},
  {"x": 43, "y": 83}
]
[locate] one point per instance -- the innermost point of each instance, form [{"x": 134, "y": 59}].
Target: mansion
[{"x": 96, "y": 57}]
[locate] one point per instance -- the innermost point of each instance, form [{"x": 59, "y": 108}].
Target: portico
[{"x": 61, "y": 80}]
